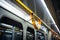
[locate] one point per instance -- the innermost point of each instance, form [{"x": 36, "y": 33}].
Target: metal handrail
[{"x": 35, "y": 16}]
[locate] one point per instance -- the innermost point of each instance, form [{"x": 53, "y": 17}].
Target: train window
[
  {"x": 17, "y": 28},
  {"x": 18, "y": 34},
  {"x": 40, "y": 35},
  {"x": 5, "y": 33},
  {"x": 30, "y": 34}
]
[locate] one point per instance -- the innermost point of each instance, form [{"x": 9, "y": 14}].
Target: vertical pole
[{"x": 13, "y": 33}]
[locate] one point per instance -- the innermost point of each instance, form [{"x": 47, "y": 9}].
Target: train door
[
  {"x": 40, "y": 35},
  {"x": 30, "y": 34}
]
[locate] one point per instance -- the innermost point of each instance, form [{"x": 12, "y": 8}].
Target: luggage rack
[{"x": 34, "y": 18}]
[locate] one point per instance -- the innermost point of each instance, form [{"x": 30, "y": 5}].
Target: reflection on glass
[
  {"x": 40, "y": 36},
  {"x": 18, "y": 34},
  {"x": 5, "y": 34},
  {"x": 30, "y": 34}
]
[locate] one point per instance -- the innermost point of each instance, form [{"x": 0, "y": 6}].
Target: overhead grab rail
[{"x": 35, "y": 17}]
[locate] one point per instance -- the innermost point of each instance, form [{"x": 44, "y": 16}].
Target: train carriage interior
[{"x": 28, "y": 20}]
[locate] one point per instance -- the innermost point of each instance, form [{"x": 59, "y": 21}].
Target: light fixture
[{"x": 47, "y": 10}]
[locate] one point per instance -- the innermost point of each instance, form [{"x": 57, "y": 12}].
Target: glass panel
[
  {"x": 5, "y": 34},
  {"x": 30, "y": 34},
  {"x": 40, "y": 36},
  {"x": 18, "y": 34}
]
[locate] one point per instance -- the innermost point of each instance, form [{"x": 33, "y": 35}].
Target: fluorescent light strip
[
  {"x": 9, "y": 7},
  {"x": 43, "y": 2}
]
